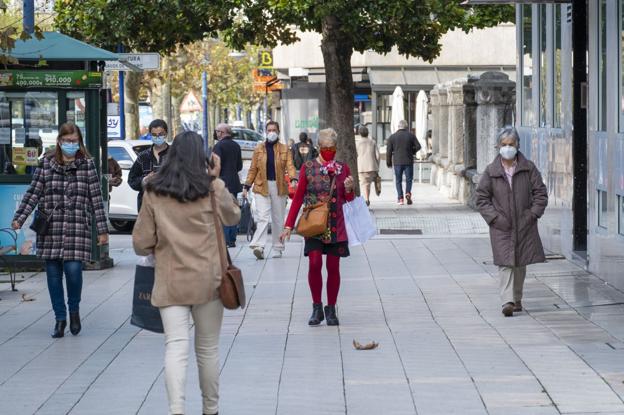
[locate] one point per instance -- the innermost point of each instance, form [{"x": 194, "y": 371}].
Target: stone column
[
  {"x": 456, "y": 137},
  {"x": 470, "y": 122},
  {"x": 495, "y": 95},
  {"x": 434, "y": 102},
  {"x": 443, "y": 124}
]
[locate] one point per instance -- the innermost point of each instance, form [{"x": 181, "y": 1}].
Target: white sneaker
[
  {"x": 259, "y": 253},
  {"x": 277, "y": 254}
]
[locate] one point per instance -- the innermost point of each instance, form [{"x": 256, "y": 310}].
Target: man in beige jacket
[
  {"x": 367, "y": 160},
  {"x": 270, "y": 163}
]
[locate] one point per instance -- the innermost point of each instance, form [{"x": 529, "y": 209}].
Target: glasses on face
[
  {"x": 331, "y": 149},
  {"x": 70, "y": 140},
  {"x": 163, "y": 135}
]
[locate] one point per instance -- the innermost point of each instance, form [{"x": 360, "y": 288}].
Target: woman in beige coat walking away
[
  {"x": 367, "y": 160},
  {"x": 176, "y": 224},
  {"x": 511, "y": 197}
]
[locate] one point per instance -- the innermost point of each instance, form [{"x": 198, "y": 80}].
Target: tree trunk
[
  {"x": 176, "y": 128},
  {"x": 337, "y": 50},
  {"x": 132, "y": 87}
]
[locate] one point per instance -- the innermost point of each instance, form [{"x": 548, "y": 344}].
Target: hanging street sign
[
  {"x": 50, "y": 79},
  {"x": 135, "y": 62}
]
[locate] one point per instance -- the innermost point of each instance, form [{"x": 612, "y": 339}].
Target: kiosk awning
[{"x": 56, "y": 46}]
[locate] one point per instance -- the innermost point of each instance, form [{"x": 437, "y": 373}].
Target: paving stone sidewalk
[{"x": 430, "y": 301}]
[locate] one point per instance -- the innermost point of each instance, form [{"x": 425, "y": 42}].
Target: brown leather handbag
[
  {"x": 314, "y": 219},
  {"x": 232, "y": 288}
]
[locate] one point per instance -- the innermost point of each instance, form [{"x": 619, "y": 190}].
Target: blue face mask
[
  {"x": 158, "y": 140},
  {"x": 70, "y": 149}
]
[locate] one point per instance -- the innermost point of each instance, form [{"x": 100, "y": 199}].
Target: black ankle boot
[
  {"x": 74, "y": 323},
  {"x": 317, "y": 314},
  {"x": 330, "y": 313},
  {"x": 59, "y": 329}
]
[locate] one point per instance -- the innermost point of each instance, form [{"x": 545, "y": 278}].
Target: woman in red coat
[{"x": 315, "y": 182}]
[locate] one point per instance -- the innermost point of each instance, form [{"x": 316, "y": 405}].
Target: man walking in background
[
  {"x": 400, "y": 150},
  {"x": 231, "y": 163}
]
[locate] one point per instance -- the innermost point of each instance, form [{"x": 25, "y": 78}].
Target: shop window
[
  {"x": 621, "y": 214},
  {"x": 528, "y": 115},
  {"x": 544, "y": 62},
  {"x": 28, "y": 127},
  {"x": 602, "y": 65},
  {"x": 557, "y": 106},
  {"x": 602, "y": 208}
]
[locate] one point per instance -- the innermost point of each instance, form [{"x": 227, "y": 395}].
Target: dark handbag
[
  {"x": 41, "y": 221},
  {"x": 232, "y": 288},
  {"x": 144, "y": 314},
  {"x": 378, "y": 184},
  {"x": 314, "y": 219},
  {"x": 247, "y": 224}
]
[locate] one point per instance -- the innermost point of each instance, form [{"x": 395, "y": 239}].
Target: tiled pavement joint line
[
  {"x": 53, "y": 341},
  {"x": 394, "y": 341},
  {"x": 292, "y": 305},
  {"x": 342, "y": 369},
  {"x": 149, "y": 391},
  {"x": 85, "y": 361},
  {"x": 433, "y": 318},
  {"x": 248, "y": 298},
  {"x": 44, "y": 290},
  {"x": 495, "y": 330},
  {"x": 594, "y": 323},
  {"x": 95, "y": 379}
]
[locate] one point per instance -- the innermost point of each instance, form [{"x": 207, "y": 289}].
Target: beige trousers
[
  {"x": 271, "y": 208},
  {"x": 207, "y": 318},
  {"x": 511, "y": 283}
]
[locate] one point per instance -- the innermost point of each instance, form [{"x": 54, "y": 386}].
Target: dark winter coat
[
  {"x": 231, "y": 163},
  {"x": 144, "y": 165},
  {"x": 512, "y": 212},
  {"x": 75, "y": 190},
  {"x": 401, "y": 148}
]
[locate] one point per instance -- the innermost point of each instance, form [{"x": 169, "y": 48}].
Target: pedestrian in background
[
  {"x": 401, "y": 147},
  {"x": 148, "y": 162},
  {"x": 176, "y": 224},
  {"x": 303, "y": 151},
  {"x": 367, "y": 159},
  {"x": 511, "y": 197},
  {"x": 230, "y": 154},
  {"x": 66, "y": 189},
  {"x": 270, "y": 162},
  {"x": 116, "y": 175},
  {"x": 315, "y": 185}
]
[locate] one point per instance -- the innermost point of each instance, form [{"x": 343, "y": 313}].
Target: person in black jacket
[
  {"x": 231, "y": 163},
  {"x": 303, "y": 151},
  {"x": 149, "y": 160},
  {"x": 400, "y": 150}
]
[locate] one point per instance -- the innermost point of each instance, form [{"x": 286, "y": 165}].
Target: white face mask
[
  {"x": 508, "y": 152},
  {"x": 272, "y": 137}
]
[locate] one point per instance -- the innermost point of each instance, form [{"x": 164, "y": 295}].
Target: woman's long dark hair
[{"x": 184, "y": 173}]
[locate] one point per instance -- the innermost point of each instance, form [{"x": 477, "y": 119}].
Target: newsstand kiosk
[{"x": 55, "y": 80}]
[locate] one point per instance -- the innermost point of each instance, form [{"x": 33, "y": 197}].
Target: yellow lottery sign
[
  {"x": 25, "y": 156},
  {"x": 265, "y": 59}
]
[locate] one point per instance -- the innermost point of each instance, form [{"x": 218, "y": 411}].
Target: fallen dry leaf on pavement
[
  {"x": 24, "y": 298},
  {"x": 369, "y": 346}
]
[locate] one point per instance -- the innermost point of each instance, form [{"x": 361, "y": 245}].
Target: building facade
[
  {"x": 570, "y": 113},
  {"x": 300, "y": 66}
]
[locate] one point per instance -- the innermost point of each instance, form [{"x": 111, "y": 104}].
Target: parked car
[
  {"x": 247, "y": 139},
  {"x": 123, "y": 200}
]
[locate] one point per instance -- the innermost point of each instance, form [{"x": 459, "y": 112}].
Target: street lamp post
[{"x": 205, "y": 109}]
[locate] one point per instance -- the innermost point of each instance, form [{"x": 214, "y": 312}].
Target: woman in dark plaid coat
[{"x": 67, "y": 187}]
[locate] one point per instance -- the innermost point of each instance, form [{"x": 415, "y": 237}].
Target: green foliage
[
  {"x": 11, "y": 30},
  {"x": 140, "y": 25},
  {"x": 413, "y": 26}
]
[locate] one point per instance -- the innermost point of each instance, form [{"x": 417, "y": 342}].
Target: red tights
[{"x": 315, "y": 277}]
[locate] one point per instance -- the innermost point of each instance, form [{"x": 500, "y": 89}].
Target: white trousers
[
  {"x": 207, "y": 318},
  {"x": 269, "y": 208},
  {"x": 511, "y": 283}
]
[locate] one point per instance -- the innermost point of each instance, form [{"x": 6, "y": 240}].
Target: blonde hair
[{"x": 328, "y": 134}]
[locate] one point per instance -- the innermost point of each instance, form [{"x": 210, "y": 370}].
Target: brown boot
[
  {"x": 517, "y": 306},
  {"x": 508, "y": 309}
]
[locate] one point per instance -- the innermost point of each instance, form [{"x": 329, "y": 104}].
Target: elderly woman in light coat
[{"x": 511, "y": 197}]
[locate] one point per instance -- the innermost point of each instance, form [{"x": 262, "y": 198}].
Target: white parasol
[
  {"x": 398, "y": 109},
  {"x": 422, "y": 108}
]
